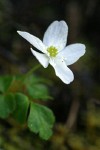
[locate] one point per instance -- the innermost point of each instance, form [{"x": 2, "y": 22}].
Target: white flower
[{"x": 54, "y": 50}]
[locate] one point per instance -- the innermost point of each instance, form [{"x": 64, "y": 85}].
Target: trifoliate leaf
[
  {"x": 5, "y": 82},
  {"x": 22, "y": 105},
  {"x": 41, "y": 120},
  {"x": 7, "y": 105},
  {"x": 36, "y": 88},
  {"x": 38, "y": 91}
]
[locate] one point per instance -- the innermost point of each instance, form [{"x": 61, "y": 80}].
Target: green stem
[{"x": 31, "y": 71}]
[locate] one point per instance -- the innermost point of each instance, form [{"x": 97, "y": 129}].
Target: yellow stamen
[{"x": 52, "y": 51}]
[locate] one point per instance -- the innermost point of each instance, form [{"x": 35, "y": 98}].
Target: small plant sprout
[{"x": 55, "y": 51}]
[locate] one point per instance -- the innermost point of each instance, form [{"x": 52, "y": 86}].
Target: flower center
[{"x": 52, "y": 51}]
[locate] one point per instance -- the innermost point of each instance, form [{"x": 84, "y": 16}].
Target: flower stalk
[{"x": 31, "y": 71}]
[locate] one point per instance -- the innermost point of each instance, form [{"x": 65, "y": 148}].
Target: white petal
[
  {"x": 56, "y": 35},
  {"x": 62, "y": 71},
  {"x": 72, "y": 53},
  {"x": 42, "y": 58},
  {"x": 36, "y": 42}
]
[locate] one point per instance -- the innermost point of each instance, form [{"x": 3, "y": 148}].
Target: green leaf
[
  {"x": 7, "y": 105},
  {"x": 33, "y": 79},
  {"x": 5, "y": 82},
  {"x": 36, "y": 88},
  {"x": 38, "y": 91},
  {"x": 22, "y": 105},
  {"x": 41, "y": 120}
]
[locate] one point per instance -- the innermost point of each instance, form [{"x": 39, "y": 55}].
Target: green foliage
[
  {"x": 41, "y": 120},
  {"x": 16, "y": 101},
  {"x": 7, "y": 105},
  {"x": 36, "y": 89},
  {"x": 22, "y": 105},
  {"x": 5, "y": 82}
]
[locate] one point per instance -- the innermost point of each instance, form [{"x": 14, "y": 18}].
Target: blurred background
[{"x": 76, "y": 106}]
